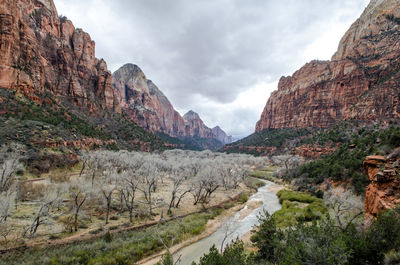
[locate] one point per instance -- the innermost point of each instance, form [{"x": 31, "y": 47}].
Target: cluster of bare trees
[{"x": 126, "y": 183}]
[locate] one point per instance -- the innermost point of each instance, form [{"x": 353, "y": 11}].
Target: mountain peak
[{"x": 191, "y": 115}]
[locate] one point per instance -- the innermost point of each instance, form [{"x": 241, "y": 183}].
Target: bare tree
[
  {"x": 78, "y": 191},
  {"x": 178, "y": 176},
  {"x": 149, "y": 177},
  {"x": 106, "y": 185},
  {"x": 346, "y": 207},
  {"x": 127, "y": 187},
  {"x": 9, "y": 166},
  {"x": 7, "y": 199},
  {"x": 48, "y": 202}
]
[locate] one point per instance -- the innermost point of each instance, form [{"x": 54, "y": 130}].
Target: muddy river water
[{"x": 234, "y": 227}]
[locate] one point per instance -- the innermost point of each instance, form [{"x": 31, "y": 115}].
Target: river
[{"x": 235, "y": 226}]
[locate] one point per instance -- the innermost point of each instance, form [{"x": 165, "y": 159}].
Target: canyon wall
[
  {"x": 41, "y": 53},
  {"x": 361, "y": 82}
]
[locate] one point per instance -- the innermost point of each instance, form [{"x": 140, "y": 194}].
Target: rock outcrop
[
  {"x": 195, "y": 127},
  {"x": 383, "y": 192},
  {"x": 361, "y": 82},
  {"x": 221, "y": 135},
  {"x": 41, "y": 53},
  {"x": 145, "y": 103}
]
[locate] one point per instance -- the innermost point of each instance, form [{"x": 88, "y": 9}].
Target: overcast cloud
[{"x": 220, "y": 58}]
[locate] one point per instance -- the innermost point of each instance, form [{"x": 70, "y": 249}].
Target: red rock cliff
[
  {"x": 41, "y": 52},
  {"x": 196, "y": 127},
  {"x": 383, "y": 192},
  {"x": 360, "y": 82},
  {"x": 145, "y": 103}
]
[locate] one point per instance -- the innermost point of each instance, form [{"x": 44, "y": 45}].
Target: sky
[{"x": 219, "y": 58}]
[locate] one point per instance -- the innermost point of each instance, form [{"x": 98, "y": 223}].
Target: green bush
[{"x": 244, "y": 197}]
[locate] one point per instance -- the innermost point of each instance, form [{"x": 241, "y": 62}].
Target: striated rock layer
[
  {"x": 361, "y": 81},
  {"x": 383, "y": 192},
  {"x": 41, "y": 52}
]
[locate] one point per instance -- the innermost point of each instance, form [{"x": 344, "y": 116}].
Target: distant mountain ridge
[{"x": 152, "y": 110}]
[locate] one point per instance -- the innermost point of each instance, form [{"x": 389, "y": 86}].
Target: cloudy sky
[{"x": 220, "y": 58}]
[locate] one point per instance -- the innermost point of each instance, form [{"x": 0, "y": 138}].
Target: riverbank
[
  {"x": 241, "y": 222},
  {"x": 212, "y": 226}
]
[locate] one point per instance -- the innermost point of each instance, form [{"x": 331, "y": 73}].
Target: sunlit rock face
[
  {"x": 361, "y": 81},
  {"x": 41, "y": 52}
]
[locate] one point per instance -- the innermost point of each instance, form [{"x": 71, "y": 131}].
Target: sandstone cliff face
[
  {"x": 360, "y": 82},
  {"x": 195, "y": 126},
  {"x": 221, "y": 135},
  {"x": 41, "y": 52},
  {"x": 383, "y": 192},
  {"x": 145, "y": 103}
]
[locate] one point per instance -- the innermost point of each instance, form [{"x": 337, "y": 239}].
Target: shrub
[
  {"x": 244, "y": 197},
  {"x": 107, "y": 237},
  {"x": 68, "y": 222}
]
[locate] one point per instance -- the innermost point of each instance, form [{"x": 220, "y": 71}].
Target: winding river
[{"x": 235, "y": 226}]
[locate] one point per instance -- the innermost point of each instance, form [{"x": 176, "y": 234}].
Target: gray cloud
[{"x": 212, "y": 49}]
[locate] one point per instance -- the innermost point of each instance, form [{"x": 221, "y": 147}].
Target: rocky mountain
[
  {"x": 54, "y": 92},
  {"x": 152, "y": 110},
  {"x": 45, "y": 59},
  {"x": 221, "y": 135},
  {"x": 145, "y": 103},
  {"x": 196, "y": 127},
  {"x": 361, "y": 82}
]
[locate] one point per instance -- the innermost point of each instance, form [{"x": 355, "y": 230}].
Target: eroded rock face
[
  {"x": 383, "y": 192},
  {"x": 41, "y": 52},
  {"x": 221, "y": 135},
  {"x": 145, "y": 103},
  {"x": 196, "y": 127},
  {"x": 360, "y": 82}
]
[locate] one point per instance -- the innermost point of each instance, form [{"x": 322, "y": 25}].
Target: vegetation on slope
[
  {"x": 27, "y": 122},
  {"x": 345, "y": 164},
  {"x": 192, "y": 143},
  {"x": 351, "y": 142}
]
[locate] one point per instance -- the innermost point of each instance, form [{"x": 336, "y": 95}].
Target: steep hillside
[{"x": 361, "y": 82}]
